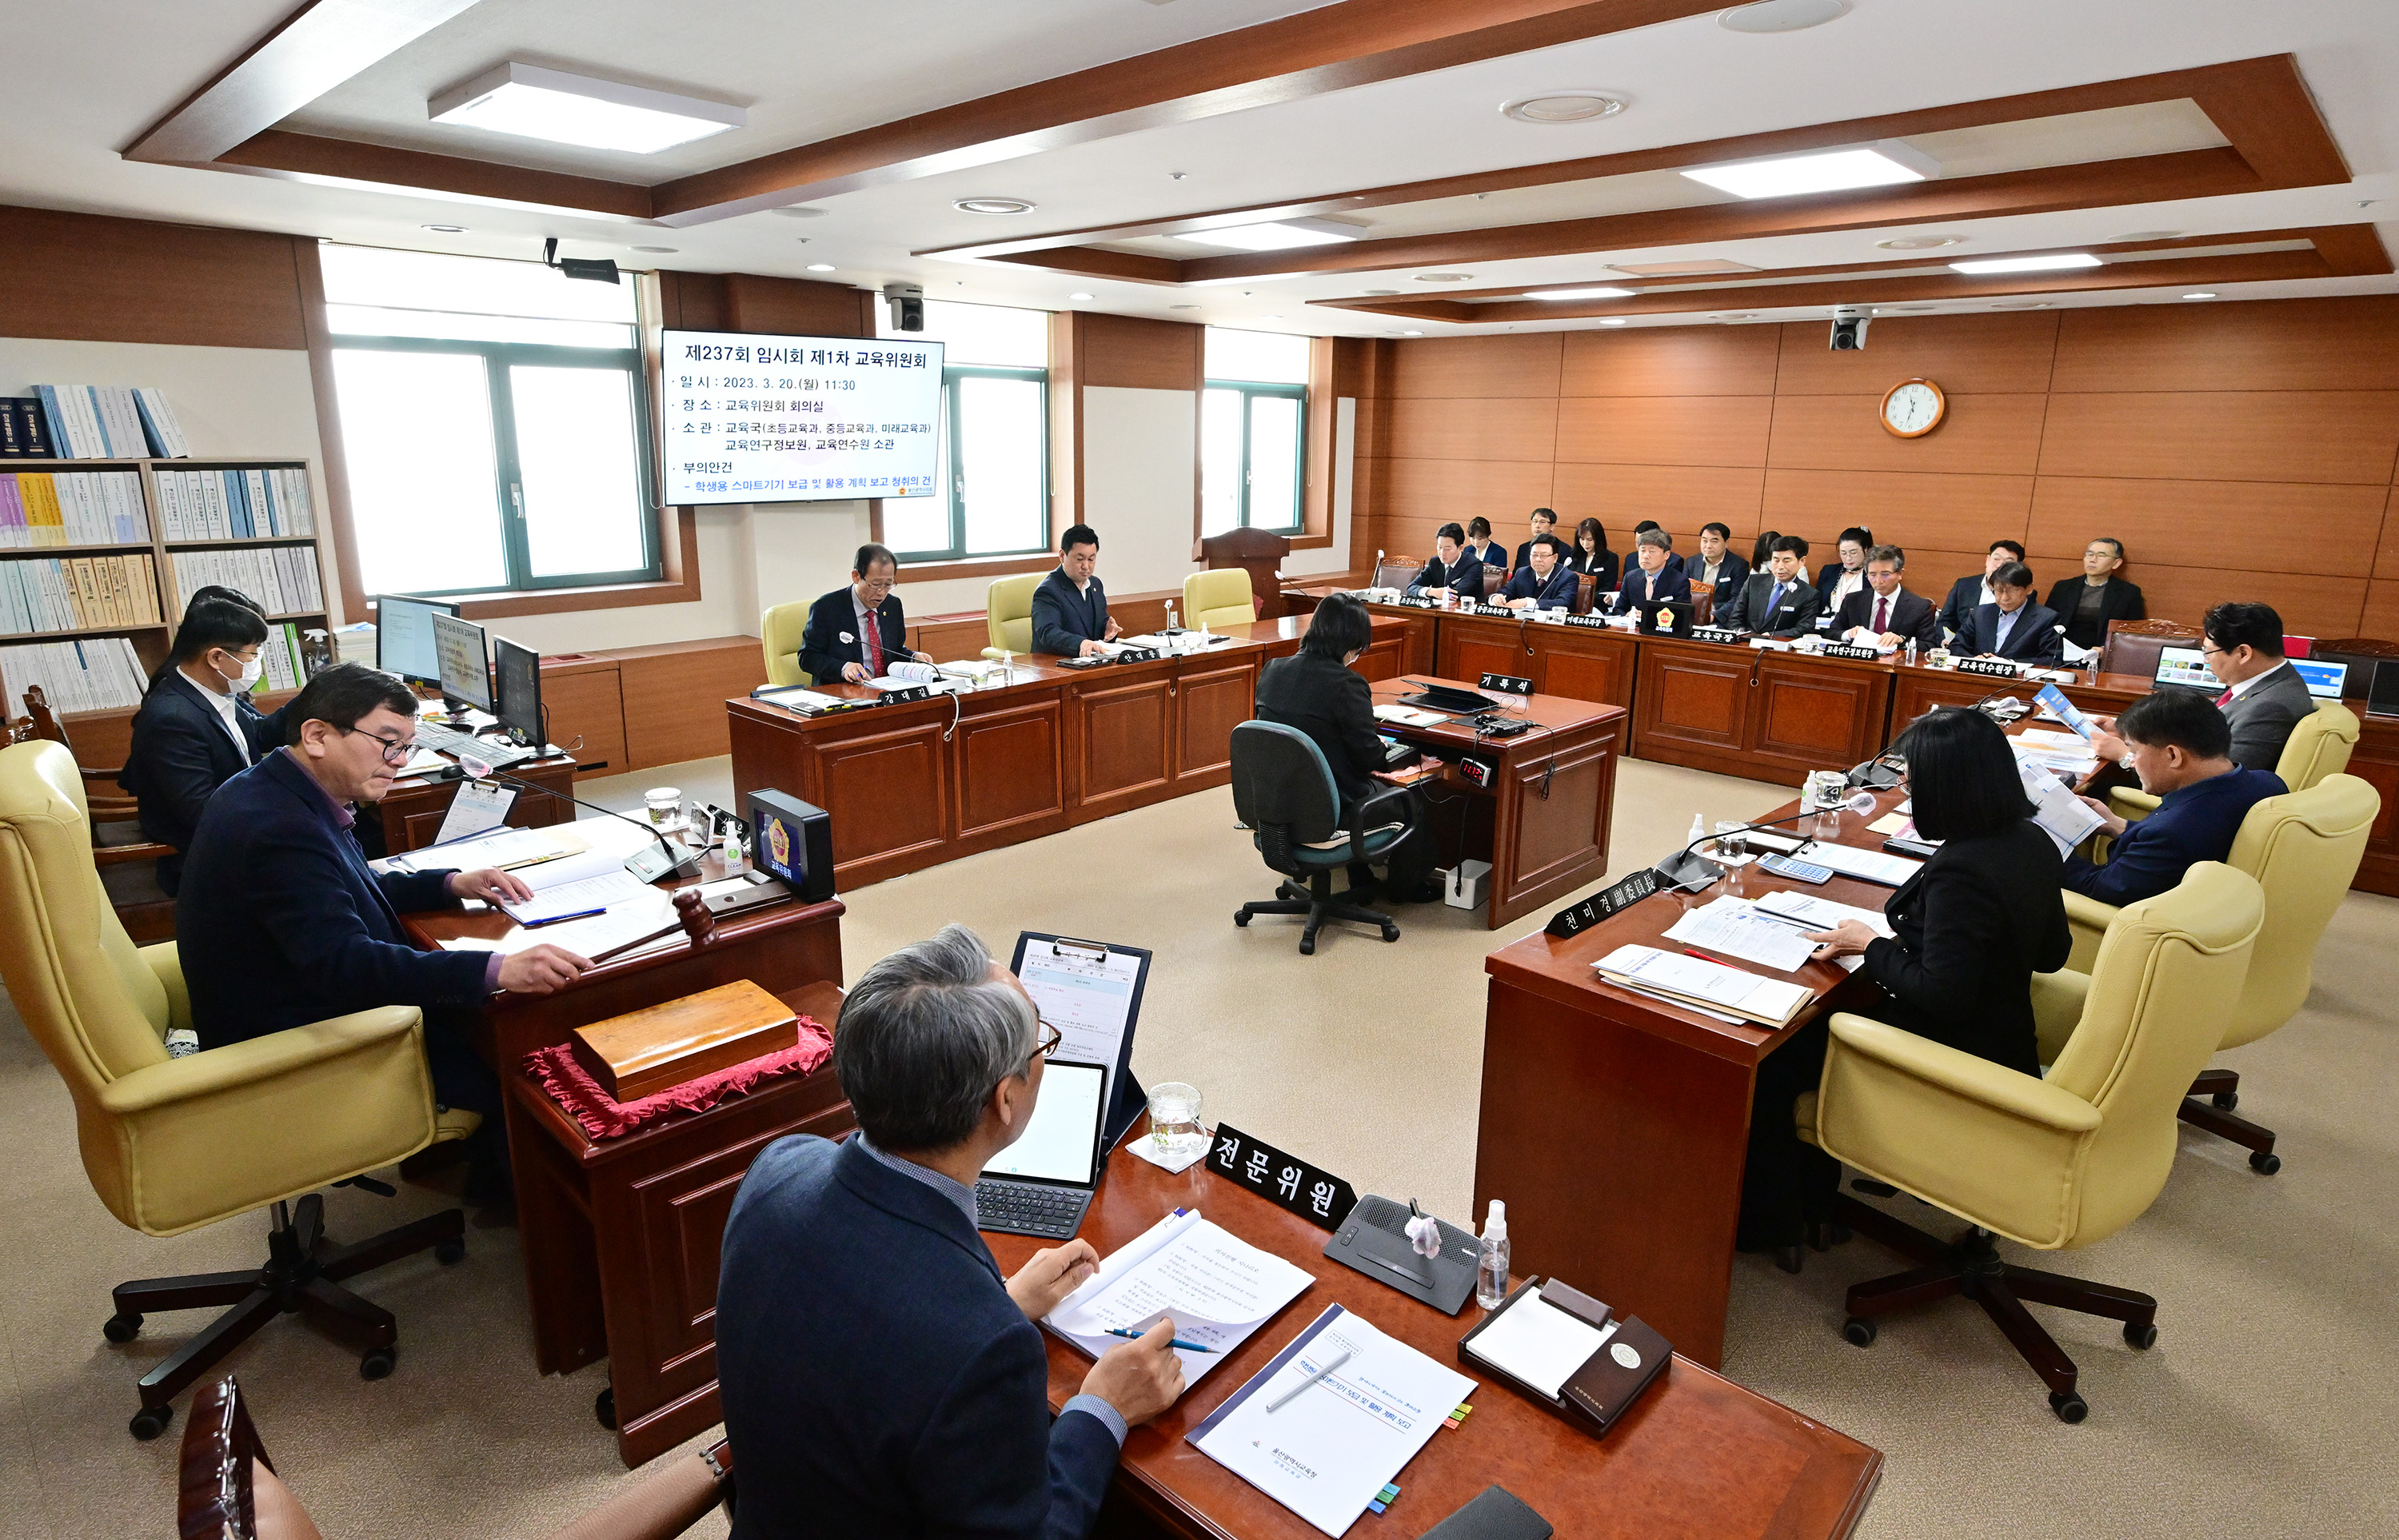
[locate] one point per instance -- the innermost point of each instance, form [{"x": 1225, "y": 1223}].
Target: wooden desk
[
  {"x": 1699, "y": 1457},
  {"x": 1616, "y": 1127},
  {"x": 1918, "y": 688},
  {"x": 1582, "y": 662},
  {"x": 1543, "y": 821},
  {"x": 1759, "y": 713},
  {"x": 913, "y": 785}
]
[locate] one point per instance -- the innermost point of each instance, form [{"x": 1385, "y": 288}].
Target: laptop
[
  {"x": 2324, "y": 680},
  {"x": 2184, "y": 668},
  {"x": 2382, "y": 696},
  {"x": 1664, "y": 618},
  {"x": 1041, "y": 1184}
]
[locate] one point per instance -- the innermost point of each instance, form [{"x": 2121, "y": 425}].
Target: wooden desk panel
[
  {"x": 412, "y": 810},
  {"x": 1012, "y": 766},
  {"x": 1127, "y": 734},
  {"x": 1811, "y": 713},
  {"x": 1209, "y": 704},
  {"x": 895, "y": 785},
  {"x": 1470, "y": 646},
  {"x": 1698, "y": 1456},
  {"x": 1691, "y": 704},
  {"x": 2375, "y": 761},
  {"x": 584, "y": 709}
]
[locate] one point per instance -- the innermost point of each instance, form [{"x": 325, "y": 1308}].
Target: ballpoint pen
[
  {"x": 561, "y": 919},
  {"x": 1196, "y": 1348},
  {"x": 1335, "y": 1362}
]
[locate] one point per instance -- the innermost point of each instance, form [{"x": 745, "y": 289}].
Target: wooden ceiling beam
[{"x": 350, "y": 163}]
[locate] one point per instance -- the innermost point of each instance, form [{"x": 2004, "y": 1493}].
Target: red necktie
[
  {"x": 873, "y": 644},
  {"x": 1881, "y": 607},
  {"x": 2225, "y": 699}
]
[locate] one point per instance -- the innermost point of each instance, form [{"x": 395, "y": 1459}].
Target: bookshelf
[{"x": 176, "y": 564}]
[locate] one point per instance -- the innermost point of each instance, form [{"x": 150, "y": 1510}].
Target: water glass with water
[{"x": 1175, "y": 1129}]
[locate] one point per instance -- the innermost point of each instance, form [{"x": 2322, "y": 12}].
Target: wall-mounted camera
[
  {"x": 907, "y": 302},
  {"x": 1850, "y": 322}
]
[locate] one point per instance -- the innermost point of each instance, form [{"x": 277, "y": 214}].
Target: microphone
[
  {"x": 1694, "y": 873},
  {"x": 648, "y": 865}
]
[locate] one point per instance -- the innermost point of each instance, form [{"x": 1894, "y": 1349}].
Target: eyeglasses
[
  {"x": 1051, "y": 1041},
  {"x": 395, "y": 750}
]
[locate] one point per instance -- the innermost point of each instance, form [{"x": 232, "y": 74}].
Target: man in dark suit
[
  {"x": 1717, "y": 563},
  {"x": 1546, "y": 582},
  {"x": 1070, "y": 608},
  {"x": 197, "y": 728},
  {"x": 1777, "y": 602},
  {"x": 1968, "y": 594},
  {"x": 2263, "y": 697},
  {"x": 878, "y": 1374},
  {"x": 2099, "y": 596},
  {"x": 1449, "y": 568},
  {"x": 281, "y": 922},
  {"x": 1674, "y": 562},
  {"x": 1649, "y": 581},
  {"x": 1886, "y": 616},
  {"x": 1543, "y": 522},
  {"x": 2181, "y": 747},
  {"x": 2011, "y": 625},
  {"x": 856, "y": 633}
]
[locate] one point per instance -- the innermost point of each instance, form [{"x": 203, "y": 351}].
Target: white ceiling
[{"x": 79, "y": 81}]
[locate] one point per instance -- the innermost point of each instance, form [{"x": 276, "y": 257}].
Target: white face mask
[{"x": 251, "y": 673}]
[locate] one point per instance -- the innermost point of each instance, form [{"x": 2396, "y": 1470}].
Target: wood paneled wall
[
  {"x": 89, "y": 277},
  {"x": 2239, "y": 450}
]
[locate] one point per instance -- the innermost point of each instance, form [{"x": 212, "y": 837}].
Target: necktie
[
  {"x": 1774, "y": 599},
  {"x": 2224, "y": 699},
  {"x": 873, "y": 639},
  {"x": 1882, "y": 607}
]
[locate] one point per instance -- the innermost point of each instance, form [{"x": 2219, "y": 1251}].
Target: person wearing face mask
[
  {"x": 197, "y": 728},
  {"x": 856, "y": 633}
]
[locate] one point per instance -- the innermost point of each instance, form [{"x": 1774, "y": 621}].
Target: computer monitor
[
  {"x": 2324, "y": 680},
  {"x": 465, "y": 671},
  {"x": 2186, "y": 667},
  {"x": 517, "y": 671},
  {"x": 404, "y": 636}
]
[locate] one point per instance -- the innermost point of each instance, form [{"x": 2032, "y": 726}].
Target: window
[
  {"x": 1252, "y": 431},
  {"x": 492, "y": 418},
  {"x": 994, "y": 451}
]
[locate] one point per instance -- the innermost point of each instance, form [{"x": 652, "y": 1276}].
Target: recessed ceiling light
[
  {"x": 1282, "y": 235},
  {"x": 1919, "y": 243},
  {"x": 1601, "y": 293},
  {"x": 2148, "y": 235},
  {"x": 820, "y": 268},
  {"x": 1444, "y": 278},
  {"x": 991, "y": 206},
  {"x": 1782, "y": 15},
  {"x": 1411, "y": 333},
  {"x": 2035, "y": 304},
  {"x": 573, "y": 108},
  {"x": 2203, "y": 294},
  {"x": 2054, "y": 262},
  {"x": 1828, "y": 171},
  {"x": 799, "y": 211},
  {"x": 1614, "y": 320},
  {"x": 1378, "y": 290},
  {"x": 446, "y": 229},
  {"x": 1563, "y": 107},
  {"x": 660, "y": 250},
  {"x": 1078, "y": 296},
  {"x": 1269, "y": 317},
  {"x": 1182, "y": 307}
]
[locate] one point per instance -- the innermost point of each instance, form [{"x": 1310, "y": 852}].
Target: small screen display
[
  {"x": 466, "y": 672},
  {"x": 404, "y": 636},
  {"x": 2324, "y": 680},
  {"x": 1063, "y": 1142},
  {"x": 517, "y": 673},
  {"x": 2186, "y": 666}
]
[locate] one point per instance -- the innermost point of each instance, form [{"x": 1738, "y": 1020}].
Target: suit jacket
[
  {"x": 830, "y": 641},
  {"x": 2263, "y": 715},
  {"x": 2194, "y": 824},
  {"x": 1827, "y": 577},
  {"x": 1465, "y": 579},
  {"x": 1603, "y": 565},
  {"x": 1734, "y": 571},
  {"x": 1640, "y": 587},
  {"x": 2118, "y": 600},
  {"x": 1494, "y": 555},
  {"x": 1965, "y": 598},
  {"x": 1911, "y": 616},
  {"x": 279, "y": 922},
  {"x": 1794, "y": 616},
  {"x": 2033, "y": 638},
  {"x": 1558, "y": 593},
  {"x": 1968, "y": 932},
  {"x": 869, "y": 1360},
  {"x": 181, "y": 754},
  {"x": 1336, "y": 707},
  {"x": 1064, "y": 619}
]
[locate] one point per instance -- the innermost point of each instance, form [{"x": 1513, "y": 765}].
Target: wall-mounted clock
[{"x": 1913, "y": 407}]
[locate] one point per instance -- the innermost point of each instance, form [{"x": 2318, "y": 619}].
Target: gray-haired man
[{"x": 876, "y": 1373}]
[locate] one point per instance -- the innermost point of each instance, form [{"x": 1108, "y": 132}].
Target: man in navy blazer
[
  {"x": 1884, "y": 614},
  {"x": 2013, "y": 627},
  {"x": 1651, "y": 580},
  {"x": 281, "y": 922},
  {"x": 2181, "y": 746},
  {"x": 1778, "y": 601},
  {"x": 1546, "y": 582},
  {"x": 1973, "y": 590},
  {"x": 1070, "y": 608},
  {"x": 837, "y": 646},
  {"x": 197, "y": 728},
  {"x": 878, "y": 1373}
]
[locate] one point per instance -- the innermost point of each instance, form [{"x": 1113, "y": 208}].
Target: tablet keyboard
[{"x": 1029, "y": 1208}]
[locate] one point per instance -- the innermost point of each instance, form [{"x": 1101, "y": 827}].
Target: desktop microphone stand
[{"x": 1694, "y": 873}]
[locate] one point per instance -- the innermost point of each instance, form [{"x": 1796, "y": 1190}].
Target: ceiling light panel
[
  {"x": 2057, "y": 262},
  {"x": 1831, "y": 172},
  {"x": 1601, "y": 293},
  {"x": 534, "y": 103},
  {"x": 1282, "y": 234}
]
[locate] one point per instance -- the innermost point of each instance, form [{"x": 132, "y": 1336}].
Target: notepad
[
  {"x": 1216, "y": 1287},
  {"x": 1539, "y": 1343},
  {"x": 1752, "y": 996}
]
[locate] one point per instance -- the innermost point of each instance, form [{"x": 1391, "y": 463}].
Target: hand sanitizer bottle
[
  {"x": 1698, "y": 834},
  {"x": 1491, "y": 1268},
  {"x": 1911, "y": 652}
]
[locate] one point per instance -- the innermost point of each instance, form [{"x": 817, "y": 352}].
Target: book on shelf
[
  {"x": 77, "y": 593},
  {"x": 94, "y": 674},
  {"x": 270, "y": 504},
  {"x": 278, "y": 659},
  {"x": 72, "y": 507},
  {"x": 110, "y": 422},
  {"x": 282, "y": 578},
  {"x": 24, "y": 430},
  {"x": 158, "y": 422}
]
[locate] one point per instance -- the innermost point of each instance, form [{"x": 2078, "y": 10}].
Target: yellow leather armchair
[
  {"x": 2303, "y": 848},
  {"x": 1009, "y": 612},
  {"x": 779, "y": 631},
  {"x": 2052, "y": 1162},
  {"x": 2319, "y": 746},
  {"x": 171, "y": 1145},
  {"x": 1219, "y": 598}
]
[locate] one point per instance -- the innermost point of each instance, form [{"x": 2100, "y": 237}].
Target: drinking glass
[
  {"x": 1732, "y": 839},
  {"x": 1174, "y": 1121},
  {"x": 662, "y": 804}
]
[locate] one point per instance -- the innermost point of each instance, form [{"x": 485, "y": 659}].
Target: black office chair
[{"x": 1283, "y": 794}]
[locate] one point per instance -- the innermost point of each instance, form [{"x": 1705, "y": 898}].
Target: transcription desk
[
  {"x": 1699, "y": 1457},
  {"x": 913, "y": 785}
]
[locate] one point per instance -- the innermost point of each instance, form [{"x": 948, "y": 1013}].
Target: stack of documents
[
  {"x": 1216, "y": 1287},
  {"x": 1734, "y": 928},
  {"x": 1702, "y": 985},
  {"x": 1807, "y": 911},
  {"x": 2062, "y": 815},
  {"x": 508, "y": 848},
  {"x": 1332, "y": 1420},
  {"x": 975, "y": 669}
]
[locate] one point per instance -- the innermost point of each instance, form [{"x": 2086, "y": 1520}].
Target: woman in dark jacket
[
  {"x": 1969, "y": 930},
  {"x": 1590, "y": 555}
]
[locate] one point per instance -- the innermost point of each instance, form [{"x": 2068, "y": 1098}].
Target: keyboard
[
  {"x": 448, "y": 740},
  {"x": 1029, "y": 1208}
]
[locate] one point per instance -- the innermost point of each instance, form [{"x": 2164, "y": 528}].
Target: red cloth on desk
[{"x": 604, "y": 1117}]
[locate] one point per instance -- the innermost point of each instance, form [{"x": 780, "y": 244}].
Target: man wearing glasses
[
  {"x": 878, "y": 1374},
  {"x": 281, "y": 922},
  {"x": 856, "y": 633},
  {"x": 2263, "y": 697}
]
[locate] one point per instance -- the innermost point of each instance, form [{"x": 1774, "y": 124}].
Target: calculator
[{"x": 1797, "y": 871}]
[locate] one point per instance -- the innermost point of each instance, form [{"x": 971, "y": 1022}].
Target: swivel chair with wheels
[
  {"x": 171, "y": 1145},
  {"x": 2303, "y": 848},
  {"x": 1284, "y": 793},
  {"x": 2051, "y": 1162}
]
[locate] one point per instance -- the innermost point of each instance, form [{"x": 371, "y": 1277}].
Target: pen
[
  {"x": 1336, "y": 1361},
  {"x": 561, "y": 919},
  {"x": 1196, "y": 1348},
  {"x": 1700, "y": 956}
]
